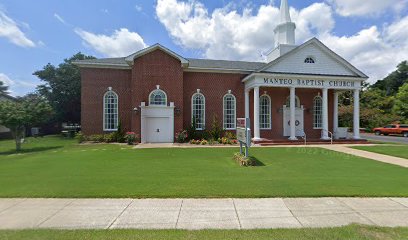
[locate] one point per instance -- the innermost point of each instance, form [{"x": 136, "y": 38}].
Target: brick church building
[{"x": 156, "y": 93}]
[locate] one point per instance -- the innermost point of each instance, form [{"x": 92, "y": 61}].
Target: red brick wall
[
  {"x": 94, "y": 84},
  {"x": 157, "y": 68},
  {"x": 213, "y": 86}
]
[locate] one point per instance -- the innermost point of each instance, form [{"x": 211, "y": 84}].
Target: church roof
[
  {"x": 193, "y": 64},
  {"x": 224, "y": 64},
  {"x": 189, "y": 63}
]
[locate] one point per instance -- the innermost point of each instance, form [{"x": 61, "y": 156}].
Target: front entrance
[
  {"x": 157, "y": 125},
  {"x": 299, "y": 121}
]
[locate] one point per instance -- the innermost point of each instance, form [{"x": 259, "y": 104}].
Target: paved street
[
  {"x": 201, "y": 213},
  {"x": 382, "y": 138}
]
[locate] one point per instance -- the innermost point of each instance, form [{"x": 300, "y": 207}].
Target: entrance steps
[{"x": 274, "y": 142}]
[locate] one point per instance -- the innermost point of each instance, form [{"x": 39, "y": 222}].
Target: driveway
[{"x": 391, "y": 139}]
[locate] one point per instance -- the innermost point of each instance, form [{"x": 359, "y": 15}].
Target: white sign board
[
  {"x": 244, "y": 131},
  {"x": 241, "y": 130}
]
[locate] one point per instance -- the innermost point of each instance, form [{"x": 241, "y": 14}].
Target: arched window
[
  {"x": 265, "y": 112},
  {"x": 229, "y": 111},
  {"x": 317, "y": 112},
  {"x": 309, "y": 60},
  {"x": 157, "y": 98},
  {"x": 198, "y": 110},
  {"x": 110, "y": 111},
  {"x": 297, "y": 101}
]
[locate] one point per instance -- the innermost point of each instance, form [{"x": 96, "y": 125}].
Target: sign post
[{"x": 244, "y": 134}]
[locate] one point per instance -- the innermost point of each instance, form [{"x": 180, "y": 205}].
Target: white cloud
[
  {"x": 363, "y": 8},
  {"x": 11, "y": 30},
  {"x": 121, "y": 43},
  {"x": 227, "y": 34},
  {"x": 17, "y": 87}
]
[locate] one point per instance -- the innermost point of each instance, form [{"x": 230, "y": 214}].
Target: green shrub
[
  {"x": 230, "y": 135},
  {"x": 119, "y": 135},
  {"x": 216, "y": 129},
  {"x": 97, "y": 138},
  {"x": 192, "y": 130},
  {"x": 110, "y": 137},
  {"x": 80, "y": 137},
  {"x": 181, "y": 137},
  {"x": 131, "y": 138}
]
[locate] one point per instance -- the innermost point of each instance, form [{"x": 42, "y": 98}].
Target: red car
[{"x": 392, "y": 129}]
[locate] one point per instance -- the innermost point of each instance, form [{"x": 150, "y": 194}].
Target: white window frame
[
  {"x": 116, "y": 113},
  {"x": 234, "y": 118},
  {"x": 317, "y": 125},
  {"x": 203, "y": 109},
  {"x": 153, "y": 92},
  {"x": 297, "y": 102},
  {"x": 270, "y": 113}
]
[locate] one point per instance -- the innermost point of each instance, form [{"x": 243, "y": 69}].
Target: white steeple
[
  {"x": 284, "y": 12},
  {"x": 284, "y": 33}
]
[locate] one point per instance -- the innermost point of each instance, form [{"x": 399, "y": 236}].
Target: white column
[
  {"x": 292, "y": 114},
  {"x": 356, "y": 120},
  {"x": 257, "y": 132},
  {"x": 247, "y": 103},
  {"x": 335, "y": 112},
  {"x": 325, "y": 115}
]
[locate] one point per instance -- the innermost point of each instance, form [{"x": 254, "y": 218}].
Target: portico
[{"x": 295, "y": 83}]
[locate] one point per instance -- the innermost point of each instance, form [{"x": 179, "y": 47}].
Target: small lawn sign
[{"x": 244, "y": 134}]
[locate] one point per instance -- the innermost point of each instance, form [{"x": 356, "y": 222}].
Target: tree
[
  {"x": 62, "y": 88},
  {"x": 394, "y": 80},
  {"x": 401, "y": 102},
  {"x": 17, "y": 115},
  {"x": 3, "y": 88}
]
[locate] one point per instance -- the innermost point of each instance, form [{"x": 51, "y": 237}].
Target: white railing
[{"x": 330, "y": 134}]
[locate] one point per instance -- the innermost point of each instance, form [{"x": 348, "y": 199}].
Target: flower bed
[{"x": 244, "y": 161}]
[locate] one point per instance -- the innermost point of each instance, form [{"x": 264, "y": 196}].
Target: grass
[
  {"x": 356, "y": 232},
  {"x": 396, "y": 151},
  {"x": 53, "y": 167}
]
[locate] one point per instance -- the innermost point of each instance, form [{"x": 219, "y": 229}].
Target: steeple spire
[
  {"x": 285, "y": 31},
  {"x": 284, "y": 12}
]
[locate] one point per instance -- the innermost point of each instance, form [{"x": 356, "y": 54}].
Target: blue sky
[{"x": 370, "y": 34}]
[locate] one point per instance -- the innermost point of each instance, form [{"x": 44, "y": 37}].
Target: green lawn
[
  {"x": 52, "y": 167},
  {"x": 355, "y": 232},
  {"x": 396, "y": 151}
]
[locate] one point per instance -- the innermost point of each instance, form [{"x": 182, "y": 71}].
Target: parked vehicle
[{"x": 392, "y": 129}]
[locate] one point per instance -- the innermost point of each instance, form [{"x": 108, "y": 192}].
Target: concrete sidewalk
[
  {"x": 201, "y": 213},
  {"x": 370, "y": 155}
]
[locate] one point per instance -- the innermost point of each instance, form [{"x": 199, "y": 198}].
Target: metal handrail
[
  {"x": 330, "y": 135},
  {"x": 304, "y": 137}
]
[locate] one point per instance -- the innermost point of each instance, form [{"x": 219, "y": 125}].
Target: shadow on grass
[
  {"x": 256, "y": 162},
  {"x": 30, "y": 150}
]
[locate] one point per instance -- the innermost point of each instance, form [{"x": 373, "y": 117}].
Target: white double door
[{"x": 299, "y": 123}]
